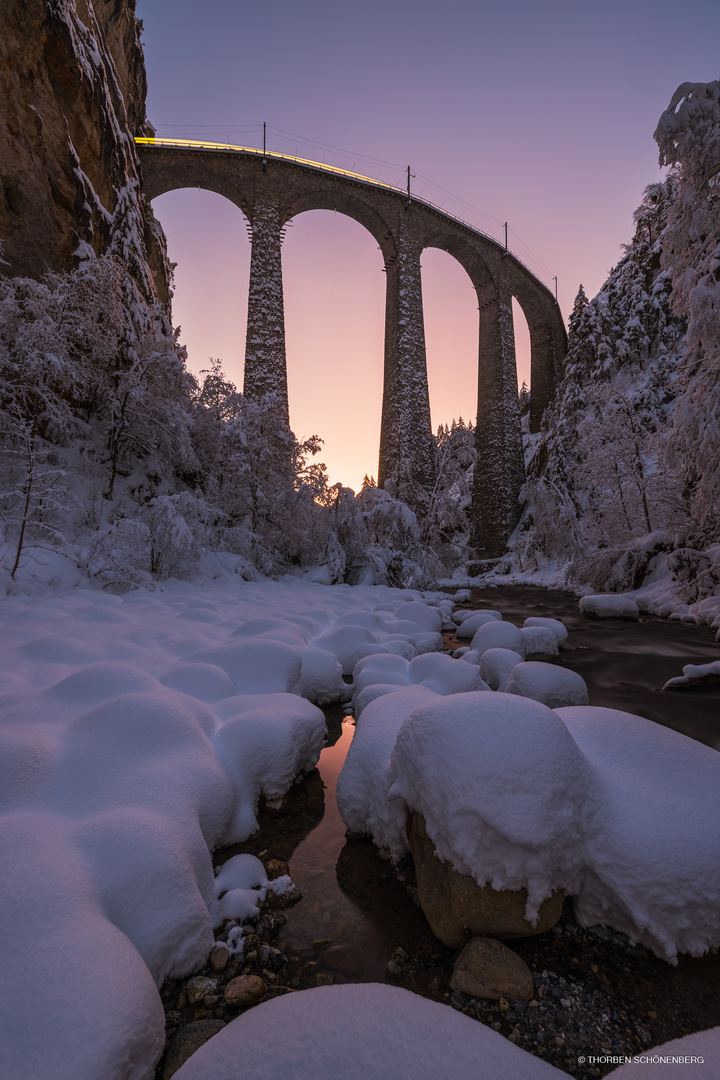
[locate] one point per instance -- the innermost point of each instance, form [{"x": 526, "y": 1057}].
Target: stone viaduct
[{"x": 270, "y": 189}]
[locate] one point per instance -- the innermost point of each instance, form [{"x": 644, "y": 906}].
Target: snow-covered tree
[
  {"x": 598, "y": 476},
  {"x": 688, "y": 135},
  {"x": 445, "y": 525}
]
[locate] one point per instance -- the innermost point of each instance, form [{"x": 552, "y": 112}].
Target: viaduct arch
[{"x": 271, "y": 189}]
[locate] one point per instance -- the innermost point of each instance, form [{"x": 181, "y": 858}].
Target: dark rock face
[{"x": 72, "y": 96}]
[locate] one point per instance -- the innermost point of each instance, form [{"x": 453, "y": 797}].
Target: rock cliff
[{"x": 72, "y": 96}]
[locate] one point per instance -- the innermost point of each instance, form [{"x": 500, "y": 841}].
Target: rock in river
[
  {"x": 245, "y": 990},
  {"x": 488, "y": 969},
  {"x": 452, "y": 902}
]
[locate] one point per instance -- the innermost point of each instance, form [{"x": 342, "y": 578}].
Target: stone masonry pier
[{"x": 271, "y": 189}]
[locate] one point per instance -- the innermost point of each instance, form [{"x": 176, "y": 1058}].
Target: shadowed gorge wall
[{"x": 72, "y": 96}]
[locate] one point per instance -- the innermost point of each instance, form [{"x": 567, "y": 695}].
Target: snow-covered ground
[
  {"x": 387, "y": 1033},
  {"x": 139, "y": 731}
]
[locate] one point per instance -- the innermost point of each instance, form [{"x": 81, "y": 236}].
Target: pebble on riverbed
[
  {"x": 488, "y": 969},
  {"x": 244, "y": 990}
]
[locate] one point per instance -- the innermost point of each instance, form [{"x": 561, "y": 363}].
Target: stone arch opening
[
  {"x": 451, "y": 337},
  {"x": 334, "y": 291},
  {"x": 523, "y": 356},
  {"x": 345, "y": 203},
  {"x": 208, "y": 240}
]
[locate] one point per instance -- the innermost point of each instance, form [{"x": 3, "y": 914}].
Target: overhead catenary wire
[{"x": 268, "y": 129}]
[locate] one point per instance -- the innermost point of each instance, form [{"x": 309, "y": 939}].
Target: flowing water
[{"x": 357, "y": 910}]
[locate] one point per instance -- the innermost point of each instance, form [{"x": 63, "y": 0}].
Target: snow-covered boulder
[
  {"x": 263, "y": 746},
  {"x": 321, "y": 677},
  {"x": 349, "y": 644},
  {"x": 500, "y": 785},
  {"x": 498, "y": 635},
  {"x": 495, "y": 666},
  {"x": 674, "y": 1060},
  {"x": 111, "y": 1024},
  {"x": 651, "y": 831},
  {"x": 540, "y": 643},
  {"x": 558, "y": 628},
  {"x": 609, "y": 606},
  {"x": 256, "y": 666},
  {"x": 552, "y": 685},
  {"x": 378, "y": 1031},
  {"x": 428, "y": 618},
  {"x": 363, "y": 785},
  {"x": 694, "y": 674},
  {"x": 443, "y": 674},
  {"x": 468, "y": 627}
]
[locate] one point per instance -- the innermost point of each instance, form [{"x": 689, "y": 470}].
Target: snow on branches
[{"x": 688, "y": 135}]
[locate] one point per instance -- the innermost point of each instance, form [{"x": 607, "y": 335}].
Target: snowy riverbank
[{"x": 139, "y": 732}]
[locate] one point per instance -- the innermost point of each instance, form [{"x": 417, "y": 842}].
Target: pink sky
[{"x": 538, "y": 114}]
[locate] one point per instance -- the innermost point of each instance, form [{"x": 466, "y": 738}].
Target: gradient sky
[{"x": 538, "y": 113}]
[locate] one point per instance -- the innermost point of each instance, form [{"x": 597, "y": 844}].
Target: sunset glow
[{"x": 541, "y": 117}]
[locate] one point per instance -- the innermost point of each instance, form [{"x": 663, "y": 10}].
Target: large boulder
[
  {"x": 554, "y": 686},
  {"x": 454, "y": 904},
  {"x": 495, "y": 787},
  {"x": 541, "y": 643}
]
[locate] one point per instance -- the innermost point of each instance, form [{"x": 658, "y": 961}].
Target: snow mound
[
  {"x": 443, "y": 674},
  {"x": 257, "y": 666},
  {"x": 263, "y": 746},
  {"x": 495, "y": 666},
  {"x": 609, "y": 606},
  {"x": 652, "y": 832},
  {"x": 321, "y": 678},
  {"x": 468, "y": 627},
  {"x": 241, "y": 887},
  {"x": 111, "y": 1024},
  {"x": 671, "y": 1060},
  {"x": 372, "y": 693},
  {"x": 377, "y": 1031},
  {"x": 558, "y": 628},
  {"x": 381, "y": 669},
  {"x": 552, "y": 685},
  {"x": 501, "y": 785},
  {"x": 349, "y": 644},
  {"x": 695, "y": 673},
  {"x": 428, "y": 618},
  {"x": 540, "y": 642},
  {"x": 137, "y": 732},
  {"x": 154, "y": 881},
  {"x": 364, "y": 783},
  {"x": 498, "y": 635},
  {"x": 438, "y": 671},
  {"x": 207, "y": 682}
]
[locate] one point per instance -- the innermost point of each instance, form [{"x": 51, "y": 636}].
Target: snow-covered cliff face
[{"x": 72, "y": 96}]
